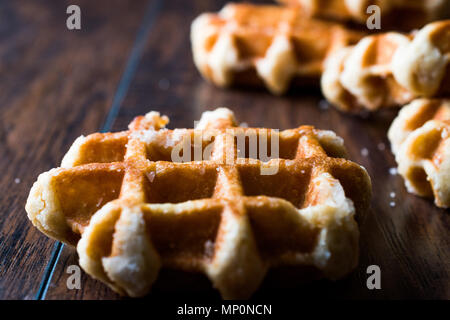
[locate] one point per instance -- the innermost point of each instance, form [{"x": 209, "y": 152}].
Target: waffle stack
[
  {"x": 254, "y": 45},
  {"x": 390, "y": 69},
  {"x": 420, "y": 140},
  {"x": 131, "y": 210}
]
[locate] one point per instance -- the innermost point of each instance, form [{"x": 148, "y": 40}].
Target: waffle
[
  {"x": 420, "y": 141},
  {"x": 267, "y": 45},
  {"x": 390, "y": 69},
  {"x": 131, "y": 210},
  {"x": 419, "y": 12}
]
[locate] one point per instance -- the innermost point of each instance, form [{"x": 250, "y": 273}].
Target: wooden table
[{"x": 134, "y": 56}]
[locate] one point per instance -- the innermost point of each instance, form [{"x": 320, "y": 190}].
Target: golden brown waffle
[
  {"x": 247, "y": 44},
  {"x": 390, "y": 69},
  {"x": 413, "y": 13},
  {"x": 420, "y": 141},
  {"x": 136, "y": 210}
]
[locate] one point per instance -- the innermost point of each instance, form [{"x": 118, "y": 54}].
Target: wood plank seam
[
  {"x": 49, "y": 270},
  {"x": 137, "y": 50},
  {"x": 132, "y": 63}
]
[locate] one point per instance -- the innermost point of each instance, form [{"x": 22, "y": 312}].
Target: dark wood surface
[{"x": 133, "y": 57}]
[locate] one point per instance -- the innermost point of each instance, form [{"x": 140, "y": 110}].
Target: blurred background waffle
[
  {"x": 413, "y": 13},
  {"x": 270, "y": 46},
  {"x": 390, "y": 69}
]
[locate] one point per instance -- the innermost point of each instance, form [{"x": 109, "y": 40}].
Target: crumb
[
  {"x": 99, "y": 202},
  {"x": 164, "y": 84},
  {"x": 17, "y": 180},
  {"x": 392, "y": 204},
  {"x": 151, "y": 175},
  {"x": 381, "y": 146},
  {"x": 393, "y": 171},
  {"x": 392, "y": 194},
  {"x": 324, "y": 105},
  {"x": 364, "y": 114},
  {"x": 364, "y": 152},
  {"x": 209, "y": 248}
]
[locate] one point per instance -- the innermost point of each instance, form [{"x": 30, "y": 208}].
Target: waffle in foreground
[
  {"x": 420, "y": 141},
  {"x": 131, "y": 210},
  {"x": 248, "y": 44},
  {"x": 390, "y": 69}
]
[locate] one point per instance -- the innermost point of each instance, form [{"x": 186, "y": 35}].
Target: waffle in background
[
  {"x": 390, "y": 69},
  {"x": 267, "y": 45},
  {"x": 420, "y": 141}
]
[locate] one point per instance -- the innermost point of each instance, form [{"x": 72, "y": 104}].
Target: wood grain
[
  {"x": 56, "y": 84},
  {"x": 408, "y": 239}
]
